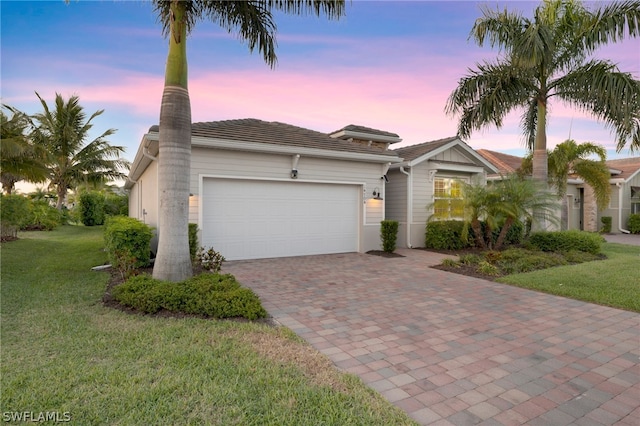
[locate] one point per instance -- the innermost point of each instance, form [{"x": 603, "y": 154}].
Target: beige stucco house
[
  {"x": 427, "y": 179},
  {"x": 267, "y": 189}
]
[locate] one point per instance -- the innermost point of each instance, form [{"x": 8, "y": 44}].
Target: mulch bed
[{"x": 383, "y": 254}]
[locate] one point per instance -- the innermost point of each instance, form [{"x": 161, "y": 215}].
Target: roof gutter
[{"x": 620, "y": 228}]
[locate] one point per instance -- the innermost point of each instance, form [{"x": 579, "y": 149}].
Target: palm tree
[
  {"x": 569, "y": 158},
  {"x": 501, "y": 204},
  {"x": 62, "y": 133},
  {"x": 19, "y": 158},
  {"x": 253, "y": 21},
  {"x": 547, "y": 57}
]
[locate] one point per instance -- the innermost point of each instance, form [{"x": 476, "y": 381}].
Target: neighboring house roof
[
  {"x": 505, "y": 163},
  {"x": 275, "y": 133},
  {"x": 624, "y": 168},
  {"x": 415, "y": 154}
]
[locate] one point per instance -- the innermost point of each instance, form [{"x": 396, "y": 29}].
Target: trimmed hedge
[
  {"x": 13, "y": 209},
  {"x": 211, "y": 295},
  {"x": 606, "y": 224},
  {"x": 193, "y": 240},
  {"x": 389, "y": 235},
  {"x": 127, "y": 238},
  {"x": 564, "y": 241},
  {"x": 634, "y": 223},
  {"x": 445, "y": 235},
  {"x": 91, "y": 208}
]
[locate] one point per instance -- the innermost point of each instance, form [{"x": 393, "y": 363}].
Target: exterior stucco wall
[
  {"x": 620, "y": 217},
  {"x": 206, "y": 162},
  {"x": 143, "y": 197}
]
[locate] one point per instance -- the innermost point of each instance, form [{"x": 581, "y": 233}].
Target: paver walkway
[{"x": 455, "y": 350}]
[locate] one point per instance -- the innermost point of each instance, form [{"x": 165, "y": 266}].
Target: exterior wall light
[{"x": 376, "y": 194}]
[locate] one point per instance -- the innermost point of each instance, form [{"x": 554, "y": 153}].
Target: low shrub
[
  {"x": 487, "y": 268},
  {"x": 13, "y": 209},
  {"x": 515, "y": 234},
  {"x": 452, "y": 263},
  {"x": 634, "y": 223},
  {"x": 210, "y": 259},
  {"x": 563, "y": 241},
  {"x": 606, "y": 224},
  {"x": 210, "y": 295},
  {"x": 128, "y": 242},
  {"x": 445, "y": 235},
  {"x": 470, "y": 259},
  {"x": 41, "y": 217},
  {"x": 389, "y": 235}
]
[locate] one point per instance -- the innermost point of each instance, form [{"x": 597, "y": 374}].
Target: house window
[{"x": 447, "y": 198}]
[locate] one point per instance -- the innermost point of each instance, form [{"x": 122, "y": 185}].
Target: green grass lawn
[
  {"x": 612, "y": 282},
  {"x": 63, "y": 351}
]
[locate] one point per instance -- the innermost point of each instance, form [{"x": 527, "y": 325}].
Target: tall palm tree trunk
[
  {"x": 173, "y": 261},
  {"x": 540, "y": 163}
]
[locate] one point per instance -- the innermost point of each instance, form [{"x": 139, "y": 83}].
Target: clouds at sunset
[{"x": 389, "y": 66}]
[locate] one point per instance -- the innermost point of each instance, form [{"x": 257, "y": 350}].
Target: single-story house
[
  {"x": 268, "y": 189},
  {"x": 427, "y": 181},
  {"x": 582, "y": 212},
  {"x": 625, "y": 192}
]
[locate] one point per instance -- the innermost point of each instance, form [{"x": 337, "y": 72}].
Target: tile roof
[
  {"x": 276, "y": 133},
  {"x": 628, "y": 167},
  {"x": 414, "y": 151},
  {"x": 363, "y": 129},
  {"x": 505, "y": 163}
]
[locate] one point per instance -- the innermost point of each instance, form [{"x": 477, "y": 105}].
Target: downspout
[
  {"x": 620, "y": 228},
  {"x": 409, "y": 204}
]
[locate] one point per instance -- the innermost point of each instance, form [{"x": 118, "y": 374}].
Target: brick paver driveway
[{"x": 450, "y": 349}]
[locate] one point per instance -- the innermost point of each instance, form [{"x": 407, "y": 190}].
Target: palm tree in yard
[
  {"x": 20, "y": 159},
  {"x": 253, "y": 22},
  {"x": 63, "y": 132},
  {"x": 570, "y": 158},
  {"x": 548, "y": 57}
]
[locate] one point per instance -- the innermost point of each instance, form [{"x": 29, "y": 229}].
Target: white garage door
[{"x": 247, "y": 219}]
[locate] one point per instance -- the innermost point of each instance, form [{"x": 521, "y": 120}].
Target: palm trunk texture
[{"x": 173, "y": 261}]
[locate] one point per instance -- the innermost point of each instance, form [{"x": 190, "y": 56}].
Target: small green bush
[
  {"x": 91, "y": 204},
  {"x": 487, "y": 268},
  {"x": 634, "y": 223},
  {"x": 193, "y": 240},
  {"x": 445, "y": 235},
  {"x": 470, "y": 259},
  {"x": 13, "y": 209},
  {"x": 116, "y": 205},
  {"x": 210, "y": 259},
  {"x": 606, "y": 224},
  {"x": 563, "y": 241},
  {"x": 211, "y": 295},
  {"x": 127, "y": 238},
  {"x": 389, "y": 235},
  {"x": 450, "y": 263},
  {"x": 42, "y": 216}
]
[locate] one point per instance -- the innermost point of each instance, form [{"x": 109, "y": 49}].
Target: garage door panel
[{"x": 246, "y": 219}]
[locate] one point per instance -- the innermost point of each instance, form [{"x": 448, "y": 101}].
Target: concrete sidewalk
[
  {"x": 455, "y": 350},
  {"x": 630, "y": 239}
]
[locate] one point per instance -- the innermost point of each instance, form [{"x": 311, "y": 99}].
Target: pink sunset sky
[{"x": 386, "y": 65}]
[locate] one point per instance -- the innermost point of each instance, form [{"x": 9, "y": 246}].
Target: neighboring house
[
  {"x": 428, "y": 181},
  {"x": 267, "y": 189},
  {"x": 582, "y": 212},
  {"x": 625, "y": 192}
]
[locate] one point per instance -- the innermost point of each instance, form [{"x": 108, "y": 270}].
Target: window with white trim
[{"x": 447, "y": 198}]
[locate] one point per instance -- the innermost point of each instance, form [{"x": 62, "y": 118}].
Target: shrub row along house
[{"x": 268, "y": 189}]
